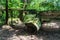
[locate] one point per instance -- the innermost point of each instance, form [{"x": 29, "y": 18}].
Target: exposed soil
[{"x": 14, "y": 34}]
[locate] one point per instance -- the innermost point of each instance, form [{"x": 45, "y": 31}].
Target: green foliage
[
  {"x": 2, "y": 17},
  {"x": 39, "y": 5},
  {"x": 15, "y": 4},
  {"x": 2, "y": 4},
  {"x": 13, "y": 14},
  {"x": 29, "y": 18},
  {"x": 44, "y": 5}
]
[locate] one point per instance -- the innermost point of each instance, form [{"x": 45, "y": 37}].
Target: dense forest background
[{"x": 15, "y": 8}]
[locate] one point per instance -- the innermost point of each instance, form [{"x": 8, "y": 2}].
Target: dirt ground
[{"x": 13, "y": 34}]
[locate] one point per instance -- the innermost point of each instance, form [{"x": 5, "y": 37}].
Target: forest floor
[{"x": 14, "y": 34}]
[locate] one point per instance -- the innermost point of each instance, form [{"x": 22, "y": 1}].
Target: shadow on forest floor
[{"x": 23, "y": 35}]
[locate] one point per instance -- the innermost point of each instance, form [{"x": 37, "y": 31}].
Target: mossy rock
[{"x": 16, "y": 22}]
